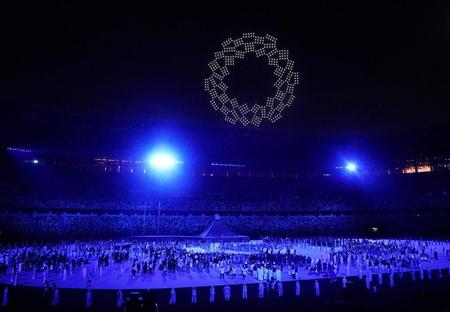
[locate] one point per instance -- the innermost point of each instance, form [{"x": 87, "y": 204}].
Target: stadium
[{"x": 136, "y": 176}]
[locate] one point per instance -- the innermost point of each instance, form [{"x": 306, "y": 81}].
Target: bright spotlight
[
  {"x": 163, "y": 161},
  {"x": 351, "y": 167},
  {"x": 35, "y": 161}
]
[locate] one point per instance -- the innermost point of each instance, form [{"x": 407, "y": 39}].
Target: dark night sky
[{"x": 364, "y": 68}]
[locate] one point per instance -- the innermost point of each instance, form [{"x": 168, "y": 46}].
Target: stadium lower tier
[{"x": 22, "y": 226}]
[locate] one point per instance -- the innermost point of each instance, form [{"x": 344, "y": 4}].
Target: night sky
[{"x": 364, "y": 69}]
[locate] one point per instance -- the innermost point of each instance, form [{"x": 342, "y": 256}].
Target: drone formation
[{"x": 220, "y": 66}]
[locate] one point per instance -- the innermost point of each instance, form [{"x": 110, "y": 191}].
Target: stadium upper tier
[
  {"x": 43, "y": 188},
  {"x": 85, "y": 226},
  {"x": 299, "y": 205}
]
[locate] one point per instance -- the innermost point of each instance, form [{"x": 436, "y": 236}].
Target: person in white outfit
[
  {"x": 344, "y": 282},
  {"x": 173, "y": 297},
  {"x": 55, "y": 301},
  {"x": 244, "y": 291},
  {"x": 261, "y": 291},
  {"x": 317, "y": 288},
  {"x": 89, "y": 298},
  {"x": 367, "y": 282},
  {"x": 227, "y": 293},
  {"x": 5, "y": 296},
  {"x": 120, "y": 300},
  {"x": 278, "y": 275},
  {"x": 84, "y": 272},
  {"x": 391, "y": 280},
  {"x": 439, "y": 270},
  {"x": 194, "y": 295},
  {"x": 280, "y": 289},
  {"x": 212, "y": 294},
  {"x": 413, "y": 275},
  {"x": 297, "y": 288}
]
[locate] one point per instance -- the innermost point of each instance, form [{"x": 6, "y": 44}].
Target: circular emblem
[{"x": 223, "y": 62}]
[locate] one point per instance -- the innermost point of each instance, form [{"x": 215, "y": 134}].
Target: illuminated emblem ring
[{"x": 262, "y": 46}]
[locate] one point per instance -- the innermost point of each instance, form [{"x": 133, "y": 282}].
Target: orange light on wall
[
  {"x": 424, "y": 168},
  {"x": 419, "y": 168},
  {"x": 409, "y": 169}
]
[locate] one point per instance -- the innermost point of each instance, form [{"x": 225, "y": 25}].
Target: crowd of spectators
[
  {"x": 77, "y": 226},
  {"x": 90, "y": 213},
  {"x": 301, "y": 204}
]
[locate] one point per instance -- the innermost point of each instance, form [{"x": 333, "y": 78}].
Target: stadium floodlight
[
  {"x": 163, "y": 161},
  {"x": 351, "y": 167}
]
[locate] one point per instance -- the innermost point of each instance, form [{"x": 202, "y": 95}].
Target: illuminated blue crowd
[
  {"x": 307, "y": 204},
  {"x": 79, "y": 226}
]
